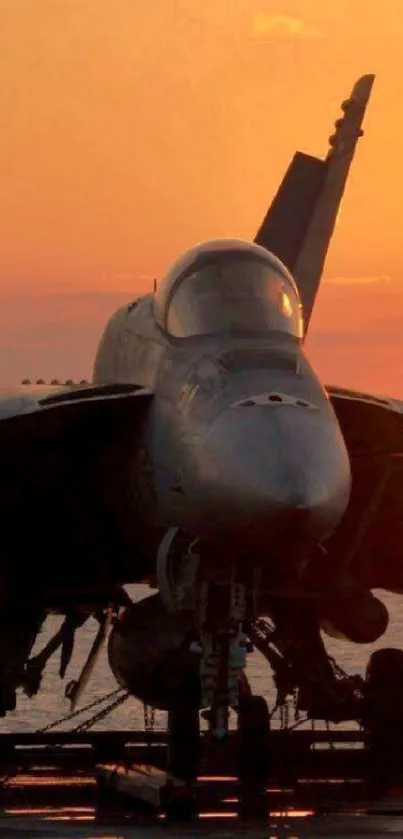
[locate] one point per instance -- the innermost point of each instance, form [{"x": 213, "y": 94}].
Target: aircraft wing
[
  {"x": 299, "y": 224},
  {"x": 49, "y": 410},
  {"x": 68, "y": 461},
  {"x": 369, "y": 541}
]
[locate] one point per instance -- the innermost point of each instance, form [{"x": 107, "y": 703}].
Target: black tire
[
  {"x": 181, "y": 808},
  {"x": 184, "y": 743},
  {"x": 382, "y": 716},
  {"x": 253, "y": 742}
]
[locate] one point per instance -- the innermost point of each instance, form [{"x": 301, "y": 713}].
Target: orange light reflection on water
[
  {"x": 287, "y": 813},
  {"x": 228, "y": 815},
  {"x": 60, "y": 812},
  {"x": 225, "y": 778},
  {"x": 69, "y": 819},
  {"x": 50, "y": 781},
  {"x": 291, "y": 814}
]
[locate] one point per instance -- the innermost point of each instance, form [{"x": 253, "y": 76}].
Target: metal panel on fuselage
[
  {"x": 131, "y": 347},
  {"x": 212, "y": 375},
  {"x": 194, "y": 380}
]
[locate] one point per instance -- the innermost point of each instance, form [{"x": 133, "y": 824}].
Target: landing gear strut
[{"x": 302, "y": 669}]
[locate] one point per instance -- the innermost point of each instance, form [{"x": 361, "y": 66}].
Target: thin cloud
[
  {"x": 371, "y": 280},
  {"x": 267, "y": 25},
  {"x": 346, "y": 341}
]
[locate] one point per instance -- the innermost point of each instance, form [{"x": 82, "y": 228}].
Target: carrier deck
[{"x": 114, "y": 783}]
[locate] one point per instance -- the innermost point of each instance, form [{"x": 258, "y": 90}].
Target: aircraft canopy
[{"x": 228, "y": 286}]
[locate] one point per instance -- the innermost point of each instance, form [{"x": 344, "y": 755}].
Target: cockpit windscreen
[{"x": 233, "y": 292}]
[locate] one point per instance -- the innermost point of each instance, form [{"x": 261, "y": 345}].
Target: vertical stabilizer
[{"x": 300, "y": 222}]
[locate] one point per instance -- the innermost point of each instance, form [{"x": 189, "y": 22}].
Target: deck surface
[
  {"x": 318, "y": 788},
  {"x": 334, "y": 827}
]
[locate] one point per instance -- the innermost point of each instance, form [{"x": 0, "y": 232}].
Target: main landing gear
[
  {"x": 382, "y": 717},
  {"x": 322, "y": 691}
]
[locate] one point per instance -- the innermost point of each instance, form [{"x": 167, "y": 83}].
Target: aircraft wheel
[
  {"x": 383, "y": 714},
  {"x": 253, "y": 740},
  {"x": 183, "y": 761},
  {"x": 253, "y": 756}
]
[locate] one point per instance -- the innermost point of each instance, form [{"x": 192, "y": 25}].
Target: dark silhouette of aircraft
[{"x": 208, "y": 459}]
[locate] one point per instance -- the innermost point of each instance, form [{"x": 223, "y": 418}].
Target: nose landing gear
[
  {"x": 223, "y": 646},
  {"x": 219, "y": 606}
]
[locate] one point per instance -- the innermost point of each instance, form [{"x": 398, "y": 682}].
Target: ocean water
[{"x": 50, "y": 703}]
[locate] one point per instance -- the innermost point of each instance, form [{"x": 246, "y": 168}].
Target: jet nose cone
[{"x": 267, "y": 469}]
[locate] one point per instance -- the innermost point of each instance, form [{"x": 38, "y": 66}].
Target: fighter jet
[{"x": 207, "y": 459}]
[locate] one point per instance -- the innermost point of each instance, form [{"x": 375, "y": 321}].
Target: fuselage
[{"x": 242, "y": 444}]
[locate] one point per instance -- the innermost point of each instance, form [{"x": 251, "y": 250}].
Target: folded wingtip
[{"x": 363, "y": 87}]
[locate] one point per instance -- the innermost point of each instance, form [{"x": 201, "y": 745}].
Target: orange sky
[{"x": 129, "y": 130}]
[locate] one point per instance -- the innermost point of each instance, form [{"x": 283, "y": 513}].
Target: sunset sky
[{"x": 130, "y": 130}]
